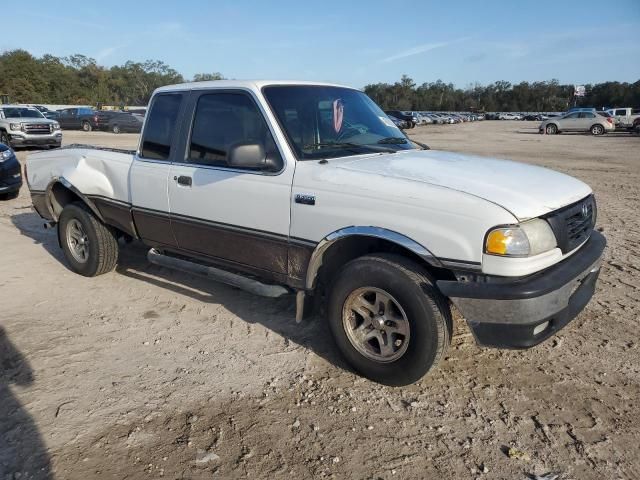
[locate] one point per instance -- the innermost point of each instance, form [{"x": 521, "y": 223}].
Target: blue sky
[{"x": 353, "y": 43}]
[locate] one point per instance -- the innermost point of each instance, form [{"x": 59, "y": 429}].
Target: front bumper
[
  {"x": 523, "y": 312},
  {"x": 27, "y": 140}
]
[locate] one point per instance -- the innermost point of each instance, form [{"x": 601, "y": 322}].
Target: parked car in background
[
  {"x": 22, "y": 126},
  {"x": 507, "y": 116},
  {"x": 83, "y": 118},
  {"x": 123, "y": 122},
  {"x": 403, "y": 124},
  {"x": 578, "y": 121},
  {"x": 624, "y": 117},
  {"x": 10, "y": 173},
  {"x": 411, "y": 121},
  {"x": 52, "y": 114}
]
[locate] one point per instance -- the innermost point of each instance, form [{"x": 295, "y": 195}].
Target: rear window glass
[{"x": 158, "y": 134}]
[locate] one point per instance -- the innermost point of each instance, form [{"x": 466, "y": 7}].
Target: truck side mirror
[{"x": 253, "y": 156}]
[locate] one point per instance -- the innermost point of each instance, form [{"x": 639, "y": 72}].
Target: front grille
[
  {"x": 37, "y": 128},
  {"x": 572, "y": 225}
]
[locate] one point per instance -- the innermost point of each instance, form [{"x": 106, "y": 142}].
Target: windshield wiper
[
  {"x": 348, "y": 146},
  {"x": 393, "y": 141}
]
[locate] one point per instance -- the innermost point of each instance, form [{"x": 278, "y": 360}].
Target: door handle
[{"x": 183, "y": 180}]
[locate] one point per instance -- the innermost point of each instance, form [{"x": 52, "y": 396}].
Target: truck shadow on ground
[
  {"x": 22, "y": 451},
  {"x": 278, "y": 315}
]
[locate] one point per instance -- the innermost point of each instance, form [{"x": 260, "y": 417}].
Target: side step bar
[{"x": 247, "y": 284}]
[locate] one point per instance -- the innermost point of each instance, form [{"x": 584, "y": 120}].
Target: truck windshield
[
  {"x": 329, "y": 122},
  {"x": 14, "y": 112}
]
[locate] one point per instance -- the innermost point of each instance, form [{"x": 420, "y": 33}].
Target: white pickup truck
[
  {"x": 624, "y": 117},
  {"x": 307, "y": 188}
]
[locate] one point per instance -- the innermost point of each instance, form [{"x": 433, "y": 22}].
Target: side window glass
[
  {"x": 158, "y": 133},
  {"x": 621, "y": 112},
  {"x": 222, "y": 120}
]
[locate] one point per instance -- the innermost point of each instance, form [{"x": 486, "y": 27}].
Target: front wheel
[
  {"x": 115, "y": 128},
  {"x": 90, "y": 246},
  {"x": 388, "y": 320},
  {"x": 597, "y": 129},
  {"x": 86, "y": 126},
  {"x": 551, "y": 129}
]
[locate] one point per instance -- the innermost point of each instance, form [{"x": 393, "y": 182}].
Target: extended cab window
[
  {"x": 223, "y": 120},
  {"x": 621, "y": 112},
  {"x": 158, "y": 133}
]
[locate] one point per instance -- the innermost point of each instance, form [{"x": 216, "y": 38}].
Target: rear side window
[
  {"x": 222, "y": 120},
  {"x": 587, "y": 115},
  {"x": 161, "y": 125},
  {"x": 621, "y": 112}
]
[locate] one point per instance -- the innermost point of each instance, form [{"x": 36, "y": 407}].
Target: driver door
[{"x": 232, "y": 215}]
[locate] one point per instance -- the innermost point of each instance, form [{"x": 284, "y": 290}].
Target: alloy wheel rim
[
  {"x": 78, "y": 241},
  {"x": 376, "y": 324}
]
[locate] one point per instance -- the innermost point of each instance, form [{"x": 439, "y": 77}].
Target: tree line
[
  {"x": 545, "y": 96},
  {"x": 79, "y": 80}
]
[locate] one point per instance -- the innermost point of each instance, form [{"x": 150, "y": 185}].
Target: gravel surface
[{"x": 148, "y": 373}]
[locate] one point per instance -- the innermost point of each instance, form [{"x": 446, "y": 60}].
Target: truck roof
[{"x": 248, "y": 84}]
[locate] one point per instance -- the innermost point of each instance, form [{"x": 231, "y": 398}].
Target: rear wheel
[
  {"x": 90, "y": 246},
  {"x": 86, "y": 126},
  {"x": 597, "y": 129},
  {"x": 551, "y": 129},
  {"x": 388, "y": 320}
]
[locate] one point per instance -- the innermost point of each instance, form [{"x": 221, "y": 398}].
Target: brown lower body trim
[
  {"x": 39, "y": 201},
  {"x": 115, "y": 213}
]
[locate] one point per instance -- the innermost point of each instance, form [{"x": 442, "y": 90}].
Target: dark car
[
  {"x": 83, "y": 118},
  {"x": 401, "y": 124},
  {"x": 50, "y": 114},
  {"x": 10, "y": 173},
  {"x": 411, "y": 122},
  {"x": 123, "y": 122}
]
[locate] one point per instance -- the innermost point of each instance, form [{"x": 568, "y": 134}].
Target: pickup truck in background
[
  {"x": 83, "y": 118},
  {"x": 22, "y": 126},
  {"x": 306, "y": 189},
  {"x": 624, "y": 117}
]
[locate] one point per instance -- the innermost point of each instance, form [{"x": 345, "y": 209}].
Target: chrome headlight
[
  {"x": 523, "y": 240},
  {"x": 15, "y": 126},
  {"x": 6, "y": 155},
  {"x": 55, "y": 126}
]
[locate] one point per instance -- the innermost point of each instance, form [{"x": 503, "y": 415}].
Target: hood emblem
[{"x": 585, "y": 210}]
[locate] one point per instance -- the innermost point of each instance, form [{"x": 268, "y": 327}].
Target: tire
[
  {"x": 115, "y": 128},
  {"x": 596, "y": 129},
  {"x": 4, "y": 138},
  {"x": 551, "y": 129},
  {"x": 10, "y": 196},
  {"x": 101, "y": 244},
  {"x": 86, "y": 126},
  {"x": 414, "y": 305}
]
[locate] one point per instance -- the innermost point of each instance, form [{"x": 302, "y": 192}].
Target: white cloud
[{"x": 427, "y": 47}]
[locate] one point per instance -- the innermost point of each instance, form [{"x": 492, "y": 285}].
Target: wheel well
[
  {"x": 59, "y": 197},
  {"x": 356, "y": 246}
]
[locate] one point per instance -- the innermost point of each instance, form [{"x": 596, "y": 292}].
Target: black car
[
  {"x": 401, "y": 124},
  {"x": 402, "y": 116},
  {"x": 10, "y": 173},
  {"x": 122, "y": 122}
]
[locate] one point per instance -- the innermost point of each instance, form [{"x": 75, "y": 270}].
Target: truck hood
[
  {"x": 527, "y": 191},
  {"x": 28, "y": 120}
]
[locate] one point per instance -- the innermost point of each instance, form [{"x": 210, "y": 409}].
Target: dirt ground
[{"x": 149, "y": 373}]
